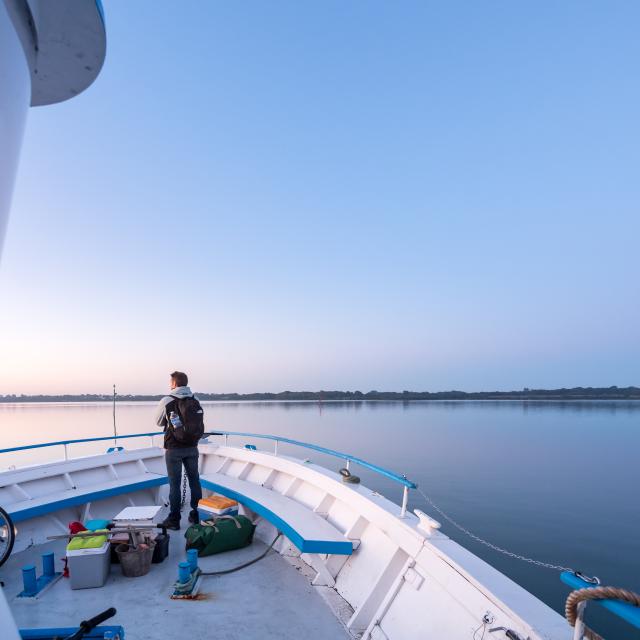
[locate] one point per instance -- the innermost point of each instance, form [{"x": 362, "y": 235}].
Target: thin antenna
[{"x": 115, "y": 432}]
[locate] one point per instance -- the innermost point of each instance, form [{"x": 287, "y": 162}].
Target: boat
[
  {"x": 348, "y": 562},
  {"x": 331, "y": 558}
]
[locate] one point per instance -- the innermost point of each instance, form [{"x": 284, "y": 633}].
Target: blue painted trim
[
  {"x": 59, "y": 443},
  {"x": 306, "y": 546},
  {"x": 41, "y": 583},
  {"x": 83, "y": 498},
  {"x": 396, "y": 477},
  {"x": 64, "y": 632},
  {"x": 624, "y": 610}
]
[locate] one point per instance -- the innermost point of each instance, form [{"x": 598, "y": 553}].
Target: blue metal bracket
[
  {"x": 189, "y": 578},
  {"x": 114, "y": 449},
  {"x": 251, "y": 447},
  {"x": 32, "y": 586},
  {"x": 624, "y": 610}
]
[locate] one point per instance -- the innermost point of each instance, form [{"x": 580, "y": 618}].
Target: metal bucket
[{"x": 134, "y": 562}]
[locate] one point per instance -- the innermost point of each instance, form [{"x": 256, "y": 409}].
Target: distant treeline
[{"x": 576, "y": 393}]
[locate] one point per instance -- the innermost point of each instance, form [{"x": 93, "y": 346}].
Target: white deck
[{"x": 270, "y": 599}]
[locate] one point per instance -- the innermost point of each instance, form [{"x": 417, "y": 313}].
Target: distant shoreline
[{"x": 575, "y": 393}]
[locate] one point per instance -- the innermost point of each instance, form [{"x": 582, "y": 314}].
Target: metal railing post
[
  {"x": 578, "y": 630},
  {"x": 66, "y": 452},
  {"x": 226, "y": 439},
  {"x": 348, "y": 465},
  {"x": 275, "y": 449},
  {"x": 405, "y": 499}
]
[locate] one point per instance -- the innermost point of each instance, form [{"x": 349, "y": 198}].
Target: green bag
[{"x": 223, "y": 533}]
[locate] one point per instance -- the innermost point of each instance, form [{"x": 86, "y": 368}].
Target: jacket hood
[{"x": 181, "y": 392}]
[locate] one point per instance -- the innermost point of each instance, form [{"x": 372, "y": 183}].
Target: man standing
[{"x": 182, "y": 418}]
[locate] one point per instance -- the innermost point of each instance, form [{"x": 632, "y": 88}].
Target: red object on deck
[{"x": 76, "y": 527}]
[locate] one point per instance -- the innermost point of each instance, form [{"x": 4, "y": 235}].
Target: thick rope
[
  {"x": 590, "y": 634},
  {"x": 596, "y": 593}
]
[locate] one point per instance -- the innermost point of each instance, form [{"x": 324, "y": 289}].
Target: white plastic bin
[{"x": 89, "y": 568}]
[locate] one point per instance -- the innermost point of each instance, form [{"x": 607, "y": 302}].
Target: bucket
[{"x": 134, "y": 562}]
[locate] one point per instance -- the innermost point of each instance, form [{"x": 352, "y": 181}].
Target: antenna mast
[{"x": 115, "y": 432}]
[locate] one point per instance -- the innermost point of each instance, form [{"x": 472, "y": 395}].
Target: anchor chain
[
  {"x": 184, "y": 491},
  {"x": 490, "y": 545}
]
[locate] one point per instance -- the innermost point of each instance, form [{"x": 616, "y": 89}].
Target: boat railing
[
  {"x": 66, "y": 443},
  {"x": 349, "y": 459}
]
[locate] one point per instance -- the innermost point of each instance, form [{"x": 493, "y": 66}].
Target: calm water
[{"x": 553, "y": 480}]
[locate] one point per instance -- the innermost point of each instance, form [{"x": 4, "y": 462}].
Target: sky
[{"x": 363, "y": 195}]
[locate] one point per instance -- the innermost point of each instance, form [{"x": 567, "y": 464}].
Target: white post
[
  {"x": 578, "y": 630},
  {"x": 275, "y": 449},
  {"x": 226, "y": 439},
  {"x": 348, "y": 465},
  {"x": 405, "y": 498},
  {"x": 66, "y": 452},
  {"x": 151, "y": 438}
]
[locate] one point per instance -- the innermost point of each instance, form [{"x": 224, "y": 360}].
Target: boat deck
[{"x": 271, "y": 598}]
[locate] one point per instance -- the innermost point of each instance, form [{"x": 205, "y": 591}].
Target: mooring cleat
[
  {"x": 189, "y": 578},
  {"x": 188, "y": 589}
]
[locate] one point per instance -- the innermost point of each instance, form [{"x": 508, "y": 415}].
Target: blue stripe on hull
[{"x": 83, "y": 498}]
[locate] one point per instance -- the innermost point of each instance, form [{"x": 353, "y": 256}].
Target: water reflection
[{"x": 550, "y": 479}]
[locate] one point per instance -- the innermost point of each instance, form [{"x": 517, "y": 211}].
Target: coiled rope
[{"x": 595, "y": 593}]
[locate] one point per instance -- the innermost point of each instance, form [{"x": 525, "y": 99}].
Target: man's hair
[{"x": 180, "y": 378}]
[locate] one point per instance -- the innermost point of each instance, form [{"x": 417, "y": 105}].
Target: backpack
[{"x": 192, "y": 417}]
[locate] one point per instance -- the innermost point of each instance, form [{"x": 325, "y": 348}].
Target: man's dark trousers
[{"x": 176, "y": 458}]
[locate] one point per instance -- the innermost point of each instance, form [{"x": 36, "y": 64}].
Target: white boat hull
[{"x": 404, "y": 580}]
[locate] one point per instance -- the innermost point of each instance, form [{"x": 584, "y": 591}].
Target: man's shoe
[
  {"x": 194, "y": 517},
  {"x": 168, "y": 523}
]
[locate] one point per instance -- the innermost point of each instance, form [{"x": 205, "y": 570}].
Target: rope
[
  {"x": 590, "y": 634},
  {"x": 242, "y": 566},
  {"x": 486, "y": 543},
  {"x": 596, "y": 593}
]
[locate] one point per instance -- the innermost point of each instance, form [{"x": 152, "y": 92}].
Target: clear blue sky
[{"x": 360, "y": 195}]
